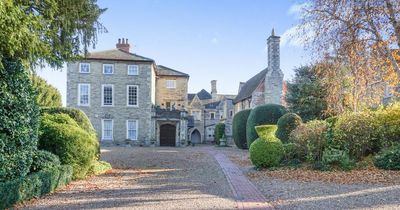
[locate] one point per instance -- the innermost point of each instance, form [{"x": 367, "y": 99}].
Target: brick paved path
[{"x": 247, "y": 195}]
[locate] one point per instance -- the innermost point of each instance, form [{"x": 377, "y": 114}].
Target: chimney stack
[
  {"x": 123, "y": 45},
  {"x": 214, "y": 88},
  {"x": 273, "y": 51}
]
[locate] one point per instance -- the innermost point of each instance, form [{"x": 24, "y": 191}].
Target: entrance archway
[
  {"x": 167, "y": 135},
  {"x": 195, "y": 137}
]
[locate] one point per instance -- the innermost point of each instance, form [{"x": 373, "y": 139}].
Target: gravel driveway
[
  {"x": 293, "y": 194},
  {"x": 147, "y": 178}
]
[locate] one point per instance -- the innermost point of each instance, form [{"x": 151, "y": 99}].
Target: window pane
[
  {"x": 108, "y": 68},
  {"x": 133, "y": 70},
  {"x": 132, "y": 132},
  {"x": 108, "y": 95},
  {"x": 171, "y": 83},
  {"x": 107, "y": 129},
  {"x": 132, "y": 95},
  {"x": 84, "y": 68},
  {"x": 84, "y": 94}
]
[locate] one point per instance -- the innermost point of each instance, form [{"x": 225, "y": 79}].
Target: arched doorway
[
  {"x": 195, "y": 137},
  {"x": 167, "y": 135}
]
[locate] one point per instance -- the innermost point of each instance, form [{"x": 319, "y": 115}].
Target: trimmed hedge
[
  {"x": 266, "y": 151},
  {"x": 33, "y": 185},
  {"x": 79, "y": 116},
  {"x": 239, "y": 128},
  {"x": 219, "y": 132},
  {"x": 19, "y": 120},
  {"x": 72, "y": 144},
  {"x": 44, "y": 160},
  {"x": 268, "y": 114},
  {"x": 286, "y": 124}
]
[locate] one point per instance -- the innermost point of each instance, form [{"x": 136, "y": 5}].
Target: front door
[{"x": 167, "y": 135}]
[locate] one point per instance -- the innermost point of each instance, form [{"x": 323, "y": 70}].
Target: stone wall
[
  {"x": 120, "y": 112},
  {"x": 175, "y": 96}
]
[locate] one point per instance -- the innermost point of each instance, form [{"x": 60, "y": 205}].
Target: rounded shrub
[
  {"x": 266, "y": 151},
  {"x": 268, "y": 114},
  {"x": 389, "y": 121},
  {"x": 79, "y": 117},
  {"x": 219, "y": 132},
  {"x": 239, "y": 128},
  {"x": 19, "y": 120},
  {"x": 389, "y": 158},
  {"x": 286, "y": 124},
  {"x": 358, "y": 133},
  {"x": 310, "y": 139},
  {"x": 44, "y": 160},
  {"x": 72, "y": 144}
]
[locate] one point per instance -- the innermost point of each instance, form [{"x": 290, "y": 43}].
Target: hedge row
[
  {"x": 34, "y": 185},
  {"x": 239, "y": 128}
]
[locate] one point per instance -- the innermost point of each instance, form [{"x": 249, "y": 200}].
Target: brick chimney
[{"x": 123, "y": 45}]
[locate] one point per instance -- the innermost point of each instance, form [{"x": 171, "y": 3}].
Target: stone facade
[
  {"x": 266, "y": 86},
  {"x": 143, "y": 109},
  {"x": 209, "y": 109}
]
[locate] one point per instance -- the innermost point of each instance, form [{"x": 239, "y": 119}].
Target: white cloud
[
  {"x": 296, "y": 36},
  {"x": 296, "y": 9}
]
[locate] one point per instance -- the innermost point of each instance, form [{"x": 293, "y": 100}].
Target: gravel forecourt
[
  {"x": 147, "y": 178},
  {"x": 297, "y": 194}
]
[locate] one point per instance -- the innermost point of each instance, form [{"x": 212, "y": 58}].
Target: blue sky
[{"x": 208, "y": 39}]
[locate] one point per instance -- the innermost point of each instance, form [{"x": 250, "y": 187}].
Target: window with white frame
[
  {"x": 132, "y": 95},
  {"x": 83, "y": 94},
  {"x": 171, "y": 84},
  {"x": 107, "y": 95},
  {"x": 108, "y": 69},
  {"x": 84, "y": 68},
  {"x": 133, "y": 70},
  {"x": 107, "y": 129},
  {"x": 131, "y": 129},
  {"x": 212, "y": 115}
]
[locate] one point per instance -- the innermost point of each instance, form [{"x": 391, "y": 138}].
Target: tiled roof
[
  {"x": 248, "y": 88},
  {"x": 212, "y": 105},
  {"x": 117, "y": 54},
  {"x": 203, "y": 95},
  {"x": 191, "y": 96},
  {"x": 165, "y": 71}
]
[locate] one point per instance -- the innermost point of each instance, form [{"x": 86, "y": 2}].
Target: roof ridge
[{"x": 168, "y": 68}]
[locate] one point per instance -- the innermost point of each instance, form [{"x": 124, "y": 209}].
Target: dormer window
[
  {"x": 108, "y": 69},
  {"x": 133, "y": 70},
  {"x": 84, "y": 68}
]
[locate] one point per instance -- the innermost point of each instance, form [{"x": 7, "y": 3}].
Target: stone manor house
[{"x": 131, "y": 100}]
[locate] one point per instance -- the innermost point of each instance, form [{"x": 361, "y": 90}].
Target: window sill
[{"x": 134, "y": 106}]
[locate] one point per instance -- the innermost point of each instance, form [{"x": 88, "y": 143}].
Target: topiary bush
[
  {"x": 266, "y": 151},
  {"x": 358, "y": 133},
  {"x": 79, "y": 117},
  {"x": 389, "y": 158},
  {"x": 239, "y": 128},
  {"x": 310, "y": 138},
  {"x": 19, "y": 120},
  {"x": 219, "y": 132},
  {"x": 262, "y": 115},
  {"x": 44, "y": 160},
  {"x": 72, "y": 144},
  {"x": 286, "y": 124}
]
